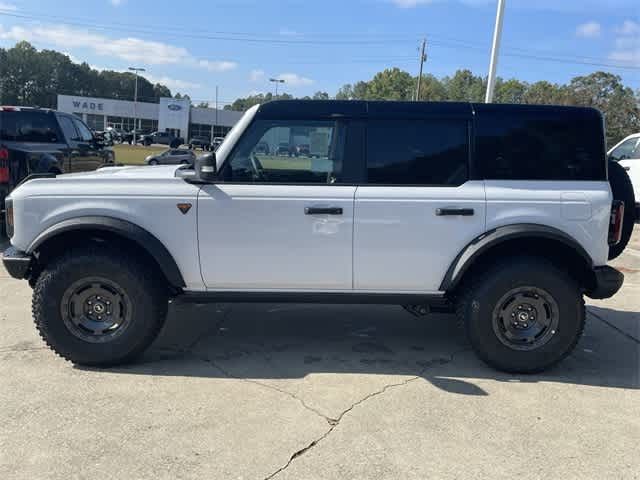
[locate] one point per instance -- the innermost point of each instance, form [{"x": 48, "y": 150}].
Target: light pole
[
  {"x": 276, "y": 81},
  {"x": 495, "y": 48},
  {"x": 135, "y": 103}
]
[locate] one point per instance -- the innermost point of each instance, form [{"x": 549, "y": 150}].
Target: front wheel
[
  {"x": 98, "y": 308},
  {"x": 522, "y": 316}
]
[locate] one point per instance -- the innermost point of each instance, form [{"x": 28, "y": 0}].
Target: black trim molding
[
  {"x": 487, "y": 240},
  {"x": 128, "y": 230}
]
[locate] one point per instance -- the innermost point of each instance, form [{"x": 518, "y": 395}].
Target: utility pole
[
  {"x": 212, "y": 130},
  {"x": 495, "y": 48},
  {"x": 135, "y": 103},
  {"x": 276, "y": 81},
  {"x": 423, "y": 58}
]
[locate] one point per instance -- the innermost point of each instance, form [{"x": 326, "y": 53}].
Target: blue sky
[{"x": 194, "y": 45}]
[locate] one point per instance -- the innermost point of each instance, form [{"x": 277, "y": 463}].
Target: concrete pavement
[{"x": 295, "y": 391}]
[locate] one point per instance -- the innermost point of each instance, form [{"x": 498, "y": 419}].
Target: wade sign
[{"x": 88, "y": 105}]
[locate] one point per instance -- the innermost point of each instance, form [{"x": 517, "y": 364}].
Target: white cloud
[
  {"x": 629, "y": 27},
  {"x": 256, "y": 75},
  {"x": 7, "y": 7},
  {"x": 589, "y": 30},
  {"x": 295, "y": 80},
  {"x": 116, "y": 3},
  {"x": 130, "y": 48},
  {"x": 217, "y": 66},
  {"x": 627, "y": 44},
  {"x": 173, "y": 83}
]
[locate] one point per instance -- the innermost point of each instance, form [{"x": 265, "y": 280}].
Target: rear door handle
[
  {"x": 462, "y": 212},
  {"x": 323, "y": 210}
]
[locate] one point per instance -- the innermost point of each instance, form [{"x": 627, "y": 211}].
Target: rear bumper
[
  {"x": 17, "y": 263},
  {"x": 608, "y": 281}
]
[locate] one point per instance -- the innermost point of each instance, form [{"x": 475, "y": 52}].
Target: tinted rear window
[
  {"x": 540, "y": 145},
  {"x": 27, "y": 126},
  {"x": 417, "y": 152}
]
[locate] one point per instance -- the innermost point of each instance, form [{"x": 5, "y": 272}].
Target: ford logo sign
[{"x": 174, "y": 107}]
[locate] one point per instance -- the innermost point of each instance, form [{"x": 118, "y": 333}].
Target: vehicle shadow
[{"x": 281, "y": 342}]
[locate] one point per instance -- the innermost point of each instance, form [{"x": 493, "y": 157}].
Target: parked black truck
[{"x": 38, "y": 140}]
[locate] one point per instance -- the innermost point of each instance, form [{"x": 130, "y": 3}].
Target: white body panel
[
  {"x": 399, "y": 242},
  {"x": 632, "y": 166},
  {"x": 144, "y": 196},
  {"x": 259, "y": 237},
  {"x": 580, "y": 209}
]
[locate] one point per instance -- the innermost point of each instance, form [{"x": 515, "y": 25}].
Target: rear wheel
[
  {"x": 622, "y": 189},
  {"x": 98, "y": 308},
  {"x": 522, "y": 316},
  {"x": 153, "y": 162}
]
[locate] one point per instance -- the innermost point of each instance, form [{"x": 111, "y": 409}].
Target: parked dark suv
[{"x": 36, "y": 140}]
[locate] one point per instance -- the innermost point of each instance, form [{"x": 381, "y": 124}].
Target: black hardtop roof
[{"x": 309, "y": 109}]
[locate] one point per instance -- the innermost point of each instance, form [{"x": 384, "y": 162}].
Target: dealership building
[{"x": 173, "y": 115}]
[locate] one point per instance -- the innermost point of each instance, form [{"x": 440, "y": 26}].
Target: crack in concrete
[{"x": 431, "y": 363}]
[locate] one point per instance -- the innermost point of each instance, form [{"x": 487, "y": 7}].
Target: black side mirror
[{"x": 206, "y": 168}]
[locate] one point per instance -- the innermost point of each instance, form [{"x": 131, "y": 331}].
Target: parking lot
[{"x": 298, "y": 391}]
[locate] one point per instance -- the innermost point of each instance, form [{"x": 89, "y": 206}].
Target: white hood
[{"x": 142, "y": 172}]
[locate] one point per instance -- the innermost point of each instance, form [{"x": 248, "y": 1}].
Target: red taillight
[
  {"x": 4, "y": 165},
  {"x": 616, "y": 222}
]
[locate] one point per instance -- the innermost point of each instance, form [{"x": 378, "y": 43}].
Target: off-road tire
[
  {"x": 622, "y": 189},
  {"x": 149, "y": 304},
  {"x": 480, "y": 295}
]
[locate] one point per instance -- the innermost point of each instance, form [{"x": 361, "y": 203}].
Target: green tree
[
  {"x": 510, "y": 91},
  {"x": 390, "y": 84},
  {"x": 618, "y": 103},
  {"x": 464, "y": 86},
  {"x": 320, "y": 96},
  {"x": 431, "y": 89}
]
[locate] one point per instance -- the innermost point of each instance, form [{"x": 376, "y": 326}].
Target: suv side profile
[{"x": 502, "y": 214}]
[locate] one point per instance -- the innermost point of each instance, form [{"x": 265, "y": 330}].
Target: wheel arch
[
  {"x": 540, "y": 240},
  {"x": 77, "y": 231}
]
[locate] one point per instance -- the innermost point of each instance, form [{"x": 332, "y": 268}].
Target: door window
[
  {"x": 417, "y": 152},
  {"x": 68, "y": 129},
  {"x": 289, "y": 152},
  {"x": 627, "y": 150},
  {"x": 83, "y": 130}
]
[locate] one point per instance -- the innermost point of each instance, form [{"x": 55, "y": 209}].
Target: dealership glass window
[
  {"x": 417, "y": 152},
  {"x": 95, "y": 122},
  {"x": 120, "y": 123},
  {"x": 289, "y": 152},
  {"x": 220, "y": 131},
  {"x": 199, "y": 130},
  {"x": 78, "y": 114},
  {"x": 147, "y": 125}
]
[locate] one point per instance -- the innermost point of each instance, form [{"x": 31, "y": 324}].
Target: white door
[
  {"x": 279, "y": 221},
  {"x": 418, "y": 210}
]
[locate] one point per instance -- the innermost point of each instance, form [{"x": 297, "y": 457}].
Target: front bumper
[
  {"x": 17, "y": 263},
  {"x": 607, "y": 282}
]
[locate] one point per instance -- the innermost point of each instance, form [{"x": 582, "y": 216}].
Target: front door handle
[
  {"x": 463, "y": 212},
  {"x": 323, "y": 210}
]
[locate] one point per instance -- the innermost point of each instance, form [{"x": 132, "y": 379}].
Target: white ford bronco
[{"x": 505, "y": 214}]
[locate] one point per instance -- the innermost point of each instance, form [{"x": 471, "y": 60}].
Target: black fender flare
[
  {"x": 491, "y": 238},
  {"x": 123, "y": 228}
]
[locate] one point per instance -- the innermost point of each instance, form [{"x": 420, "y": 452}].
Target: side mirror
[{"x": 206, "y": 168}]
